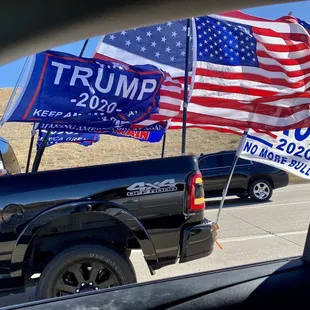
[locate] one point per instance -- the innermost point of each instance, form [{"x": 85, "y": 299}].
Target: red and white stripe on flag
[
  {"x": 169, "y": 103},
  {"x": 247, "y": 71},
  {"x": 250, "y": 72}
]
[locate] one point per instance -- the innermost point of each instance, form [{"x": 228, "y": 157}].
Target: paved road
[{"x": 248, "y": 232}]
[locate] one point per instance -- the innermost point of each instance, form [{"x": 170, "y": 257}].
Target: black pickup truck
[{"x": 72, "y": 230}]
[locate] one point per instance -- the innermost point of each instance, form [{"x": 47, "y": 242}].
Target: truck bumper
[{"x": 198, "y": 241}]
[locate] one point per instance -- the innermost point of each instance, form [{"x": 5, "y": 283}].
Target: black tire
[
  {"x": 243, "y": 196},
  {"x": 262, "y": 195},
  {"x": 84, "y": 268},
  {"x": 128, "y": 252}
]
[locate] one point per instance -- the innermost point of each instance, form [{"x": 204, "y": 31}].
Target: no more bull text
[
  {"x": 253, "y": 149},
  {"x": 123, "y": 87}
]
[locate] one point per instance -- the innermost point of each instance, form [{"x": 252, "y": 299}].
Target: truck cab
[{"x": 74, "y": 229}]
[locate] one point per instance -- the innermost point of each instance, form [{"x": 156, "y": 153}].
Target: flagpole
[
  {"x": 163, "y": 146},
  {"x": 33, "y": 133},
  {"x": 225, "y": 190},
  {"x": 185, "y": 101},
  {"x": 39, "y": 154}
]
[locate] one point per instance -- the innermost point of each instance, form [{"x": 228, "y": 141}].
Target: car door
[
  {"x": 241, "y": 173},
  {"x": 209, "y": 167}
]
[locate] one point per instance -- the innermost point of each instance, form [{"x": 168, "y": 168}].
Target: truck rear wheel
[
  {"x": 84, "y": 268},
  {"x": 260, "y": 190}
]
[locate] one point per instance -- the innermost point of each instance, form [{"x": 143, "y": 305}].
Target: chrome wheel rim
[
  {"x": 85, "y": 276},
  {"x": 261, "y": 190}
]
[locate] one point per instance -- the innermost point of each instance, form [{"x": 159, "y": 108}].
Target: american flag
[
  {"x": 250, "y": 72},
  {"x": 161, "y": 45},
  {"x": 247, "y": 71}
]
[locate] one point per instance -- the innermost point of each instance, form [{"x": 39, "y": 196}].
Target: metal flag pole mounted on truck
[
  {"x": 233, "y": 166},
  {"x": 39, "y": 154},
  {"x": 185, "y": 98},
  {"x": 185, "y": 102},
  {"x": 33, "y": 134},
  {"x": 163, "y": 146}
]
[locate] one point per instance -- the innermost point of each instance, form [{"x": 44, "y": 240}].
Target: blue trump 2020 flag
[
  {"x": 56, "y": 137},
  {"x": 62, "y": 86},
  {"x": 66, "y": 132},
  {"x": 152, "y": 134}
]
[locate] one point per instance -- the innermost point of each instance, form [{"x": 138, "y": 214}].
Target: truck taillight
[{"x": 196, "y": 199}]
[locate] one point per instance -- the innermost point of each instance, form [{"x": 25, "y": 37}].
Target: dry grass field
[{"x": 113, "y": 149}]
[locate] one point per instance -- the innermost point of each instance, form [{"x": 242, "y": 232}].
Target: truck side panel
[{"x": 156, "y": 197}]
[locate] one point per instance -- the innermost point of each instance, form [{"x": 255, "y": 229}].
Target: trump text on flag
[{"x": 64, "y": 86}]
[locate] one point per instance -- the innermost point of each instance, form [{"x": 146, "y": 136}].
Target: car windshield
[{"x": 96, "y": 191}]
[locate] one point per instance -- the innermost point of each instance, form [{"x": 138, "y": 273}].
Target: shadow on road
[
  {"x": 233, "y": 202},
  {"x": 15, "y": 297}
]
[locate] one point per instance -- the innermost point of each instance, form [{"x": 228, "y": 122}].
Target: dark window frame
[
  {"x": 207, "y": 157},
  {"x": 246, "y": 163},
  {"x": 221, "y": 161}
]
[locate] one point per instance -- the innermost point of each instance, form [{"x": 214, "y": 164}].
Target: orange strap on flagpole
[{"x": 216, "y": 238}]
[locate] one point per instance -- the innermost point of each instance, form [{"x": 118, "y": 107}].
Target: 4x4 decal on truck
[{"x": 142, "y": 188}]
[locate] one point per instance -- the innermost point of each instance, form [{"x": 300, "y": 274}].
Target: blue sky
[{"x": 10, "y": 72}]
